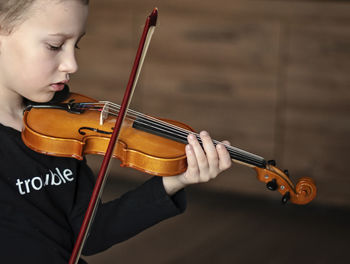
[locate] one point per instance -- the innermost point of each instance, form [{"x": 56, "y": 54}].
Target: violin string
[
  {"x": 137, "y": 114},
  {"x": 165, "y": 127},
  {"x": 179, "y": 132},
  {"x": 234, "y": 154},
  {"x": 134, "y": 114},
  {"x": 159, "y": 122}
]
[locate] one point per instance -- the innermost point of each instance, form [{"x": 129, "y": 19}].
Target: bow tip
[{"x": 153, "y": 17}]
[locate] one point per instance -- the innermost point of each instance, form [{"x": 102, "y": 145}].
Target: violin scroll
[
  {"x": 305, "y": 191},
  {"x": 275, "y": 179}
]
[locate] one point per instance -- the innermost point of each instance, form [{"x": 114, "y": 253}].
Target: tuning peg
[
  {"x": 285, "y": 197},
  {"x": 271, "y": 162},
  {"x": 286, "y": 172},
  {"x": 272, "y": 185}
]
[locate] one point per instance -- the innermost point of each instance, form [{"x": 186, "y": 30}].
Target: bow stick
[{"x": 102, "y": 175}]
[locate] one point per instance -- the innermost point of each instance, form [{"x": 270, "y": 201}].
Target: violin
[{"x": 152, "y": 145}]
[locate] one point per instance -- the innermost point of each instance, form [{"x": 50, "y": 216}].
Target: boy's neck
[
  {"x": 14, "y": 123},
  {"x": 14, "y": 120},
  {"x": 11, "y": 110}
]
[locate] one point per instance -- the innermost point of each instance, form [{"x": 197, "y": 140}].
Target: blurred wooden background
[{"x": 271, "y": 76}]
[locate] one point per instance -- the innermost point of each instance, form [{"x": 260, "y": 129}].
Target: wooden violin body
[{"x": 65, "y": 134}]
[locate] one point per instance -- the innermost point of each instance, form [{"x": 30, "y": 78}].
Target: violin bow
[{"x": 102, "y": 175}]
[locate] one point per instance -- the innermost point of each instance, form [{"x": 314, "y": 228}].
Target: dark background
[{"x": 270, "y": 76}]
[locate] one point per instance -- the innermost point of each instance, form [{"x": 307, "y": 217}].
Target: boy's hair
[{"x": 12, "y": 11}]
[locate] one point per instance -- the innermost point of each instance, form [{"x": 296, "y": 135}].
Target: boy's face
[{"x": 40, "y": 52}]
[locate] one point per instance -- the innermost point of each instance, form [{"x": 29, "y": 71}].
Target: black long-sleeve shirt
[{"x": 43, "y": 200}]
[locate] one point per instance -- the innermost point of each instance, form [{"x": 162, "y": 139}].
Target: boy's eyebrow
[{"x": 66, "y": 35}]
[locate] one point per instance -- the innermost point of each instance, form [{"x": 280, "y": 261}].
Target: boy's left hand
[{"x": 204, "y": 163}]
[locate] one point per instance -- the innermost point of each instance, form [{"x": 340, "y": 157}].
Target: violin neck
[{"x": 178, "y": 134}]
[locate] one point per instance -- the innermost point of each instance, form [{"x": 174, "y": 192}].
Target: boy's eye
[{"x": 54, "y": 48}]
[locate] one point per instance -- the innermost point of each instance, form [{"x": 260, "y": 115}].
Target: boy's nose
[{"x": 68, "y": 64}]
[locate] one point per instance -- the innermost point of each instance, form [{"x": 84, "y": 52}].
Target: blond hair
[{"x": 12, "y": 12}]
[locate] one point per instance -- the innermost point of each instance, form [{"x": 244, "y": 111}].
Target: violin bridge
[{"x": 104, "y": 112}]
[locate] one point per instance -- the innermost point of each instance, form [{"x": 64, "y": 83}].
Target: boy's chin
[{"x": 50, "y": 97}]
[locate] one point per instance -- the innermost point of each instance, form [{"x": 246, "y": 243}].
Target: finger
[
  {"x": 225, "y": 161},
  {"x": 226, "y": 142},
  {"x": 192, "y": 165},
  {"x": 211, "y": 152},
  {"x": 199, "y": 153}
]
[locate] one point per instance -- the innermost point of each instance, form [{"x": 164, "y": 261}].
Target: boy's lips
[{"x": 58, "y": 86}]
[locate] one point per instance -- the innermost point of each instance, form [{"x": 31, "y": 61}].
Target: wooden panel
[
  {"x": 318, "y": 108},
  {"x": 213, "y": 63}
]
